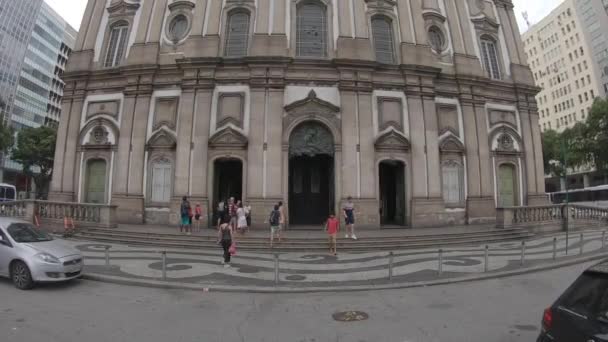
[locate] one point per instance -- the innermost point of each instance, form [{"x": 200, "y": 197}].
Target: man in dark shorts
[{"x": 349, "y": 218}]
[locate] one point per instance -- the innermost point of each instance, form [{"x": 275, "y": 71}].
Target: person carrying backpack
[
  {"x": 275, "y": 224},
  {"x": 184, "y": 211}
]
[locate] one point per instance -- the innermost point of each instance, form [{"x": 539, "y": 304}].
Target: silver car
[{"x": 28, "y": 255}]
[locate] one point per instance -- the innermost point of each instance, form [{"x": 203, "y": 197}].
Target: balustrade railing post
[
  {"x": 486, "y": 263},
  {"x": 390, "y": 265},
  {"x": 164, "y": 264},
  {"x": 523, "y": 253},
  {"x": 440, "y": 265},
  {"x": 107, "y": 255},
  {"x": 554, "y": 248}
]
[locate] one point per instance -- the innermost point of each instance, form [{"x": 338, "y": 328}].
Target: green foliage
[
  {"x": 36, "y": 148},
  {"x": 584, "y": 144}
]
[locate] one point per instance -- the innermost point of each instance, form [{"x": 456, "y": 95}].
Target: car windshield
[
  {"x": 24, "y": 233},
  {"x": 588, "y": 296}
]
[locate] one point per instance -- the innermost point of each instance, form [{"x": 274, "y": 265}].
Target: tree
[
  {"x": 36, "y": 149},
  {"x": 567, "y": 147},
  {"x": 595, "y": 135}
]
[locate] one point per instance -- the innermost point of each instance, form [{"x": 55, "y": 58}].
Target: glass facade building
[
  {"x": 35, "y": 43},
  {"x": 593, "y": 15}
]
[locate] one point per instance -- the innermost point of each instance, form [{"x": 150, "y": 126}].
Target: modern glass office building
[
  {"x": 593, "y": 15},
  {"x": 34, "y": 46}
]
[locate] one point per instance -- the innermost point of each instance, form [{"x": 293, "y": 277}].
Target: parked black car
[{"x": 581, "y": 313}]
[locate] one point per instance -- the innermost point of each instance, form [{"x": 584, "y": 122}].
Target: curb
[{"x": 286, "y": 289}]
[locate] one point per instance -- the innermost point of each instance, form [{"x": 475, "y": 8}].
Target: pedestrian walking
[
  {"x": 332, "y": 227},
  {"x": 349, "y": 218},
  {"x": 224, "y": 239},
  {"x": 184, "y": 210},
  {"x": 241, "y": 218},
  {"x": 198, "y": 213},
  {"x": 232, "y": 213},
  {"x": 275, "y": 223},
  {"x": 220, "y": 213},
  {"x": 282, "y": 220},
  {"x": 248, "y": 216}
]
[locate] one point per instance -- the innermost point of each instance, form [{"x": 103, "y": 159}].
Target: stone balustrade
[
  {"x": 549, "y": 216},
  {"x": 82, "y": 214}
]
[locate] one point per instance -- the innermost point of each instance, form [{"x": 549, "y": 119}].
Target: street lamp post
[{"x": 566, "y": 212}]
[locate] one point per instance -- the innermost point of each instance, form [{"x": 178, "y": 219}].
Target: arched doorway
[
  {"x": 392, "y": 192},
  {"x": 95, "y": 191},
  {"x": 227, "y": 179},
  {"x": 311, "y": 174},
  {"x": 507, "y": 190}
]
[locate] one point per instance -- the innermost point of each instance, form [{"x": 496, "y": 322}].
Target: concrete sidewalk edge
[{"x": 287, "y": 289}]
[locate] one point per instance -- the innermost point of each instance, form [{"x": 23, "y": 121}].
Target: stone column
[
  {"x": 403, "y": 8},
  {"x": 509, "y": 32},
  {"x": 257, "y": 144},
  {"x": 529, "y": 167},
  {"x": 158, "y": 16},
  {"x": 349, "y": 145},
  {"x": 93, "y": 26},
  {"x": 201, "y": 144},
  {"x": 120, "y": 192},
  {"x": 141, "y": 52},
  {"x": 184, "y": 144},
  {"x": 199, "y": 18},
  {"x": 71, "y": 165},
  {"x": 263, "y": 11},
  {"x": 58, "y": 164},
  {"x": 84, "y": 28},
  {"x": 269, "y": 38}
]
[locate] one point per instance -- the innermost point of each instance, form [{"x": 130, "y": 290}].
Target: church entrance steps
[{"x": 318, "y": 241}]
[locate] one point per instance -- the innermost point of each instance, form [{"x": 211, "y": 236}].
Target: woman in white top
[{"x": 241, "y": 214}]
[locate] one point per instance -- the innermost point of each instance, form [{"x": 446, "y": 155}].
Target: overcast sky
[{"x": 72, "y": 10}]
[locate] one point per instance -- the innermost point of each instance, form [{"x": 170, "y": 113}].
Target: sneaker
[
  {"x": 226, "y": 265},
  {"x": 354, "y": 237},
  {"x": 346, "y": 236},
  {"x": 223, "y": 262}
]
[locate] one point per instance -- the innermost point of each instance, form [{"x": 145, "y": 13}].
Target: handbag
[{"x": 232, "y": 249}]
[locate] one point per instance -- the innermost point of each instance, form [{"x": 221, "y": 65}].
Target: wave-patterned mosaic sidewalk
[{"x": 317, "y": 270}]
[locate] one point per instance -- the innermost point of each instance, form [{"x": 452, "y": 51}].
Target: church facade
[{"x": 422, "y": 111}]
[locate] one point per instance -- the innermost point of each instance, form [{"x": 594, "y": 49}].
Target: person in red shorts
[{"x": 332, "y": 227}]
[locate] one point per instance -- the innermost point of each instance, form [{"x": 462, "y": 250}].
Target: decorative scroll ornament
[
  {"x": 99, "y": 136},
  {"x": 311, "y": 139}
]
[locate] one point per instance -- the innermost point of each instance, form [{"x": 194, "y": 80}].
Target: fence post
[
  {"x": 440, "y": 266},
  {"x": 486, "y": 264},
  {"x": 163, "y": 255},
  {"x": 554, "y": 248},
  {"x": 276, "y": 269},
  {"x": 580, "y": 251},
  {"x": 523, "y": 253},
  {"x": 390, "y": 265},
  {"x": 107, "y": 255}
]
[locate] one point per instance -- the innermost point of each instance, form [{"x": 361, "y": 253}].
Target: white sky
[{"x": 72, "y": 10}]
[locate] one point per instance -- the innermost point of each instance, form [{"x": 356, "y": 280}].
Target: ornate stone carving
[
  {"x": 311, "y": 139},
  {"x": 162, "y": 140},
  {"x": 99, "y": 136},
  {"x": 506, "y": 143},
  {"x": 451, "y": 144},
  {"x": 392, "y": 141},
  {"x": 381, "y": 4},
  {"x": 123, "y": 8},
  {"x": 310, "y": 108},
  {"x": 228, "y": 138}
]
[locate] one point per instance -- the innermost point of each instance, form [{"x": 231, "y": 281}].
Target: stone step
[{"x": 289, "y": 246}]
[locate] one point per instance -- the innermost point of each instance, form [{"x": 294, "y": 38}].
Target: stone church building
[{"x": 422, "y": 110}]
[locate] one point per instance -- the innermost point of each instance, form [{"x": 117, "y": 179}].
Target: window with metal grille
[
  {"x": 237, "y": 35},
  {"x": 117, "y": 44},
  {"x": 382, "y": 32},
  {"x": 311, "y": 30},
  {"x": 490, "y": 58}
]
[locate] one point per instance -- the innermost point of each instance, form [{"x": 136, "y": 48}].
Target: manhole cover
[
  {"x": 295, "y": 277},
  {"x": 350, "y": 316}
]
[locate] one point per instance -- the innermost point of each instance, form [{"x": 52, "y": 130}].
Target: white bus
[{"x": 8, "y": 193}]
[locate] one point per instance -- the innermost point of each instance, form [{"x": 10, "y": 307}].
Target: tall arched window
[
  {"x": 490, "y": 57},
  {"x": 311, "y": 30},
  {"x": 237, "y": 33},
  {"x": 382, "y": 31},
  {"x": 453, "y": 190},
  {"x": 117, "y": 44},
  {"x": 161, "y": 180}
]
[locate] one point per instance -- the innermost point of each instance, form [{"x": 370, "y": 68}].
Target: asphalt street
[{"x": 496, "y": 310}]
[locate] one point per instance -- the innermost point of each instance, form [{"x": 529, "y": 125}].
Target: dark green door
[{"x": 96, "y": 182}]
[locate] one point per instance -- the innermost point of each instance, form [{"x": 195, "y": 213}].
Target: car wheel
[{"x": 21, "y": 276}]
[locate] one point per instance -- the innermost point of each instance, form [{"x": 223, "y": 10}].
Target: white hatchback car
[{"x": 29, "y": 255}]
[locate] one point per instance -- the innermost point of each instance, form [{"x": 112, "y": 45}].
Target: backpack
[{"x": 274, "y": 218}]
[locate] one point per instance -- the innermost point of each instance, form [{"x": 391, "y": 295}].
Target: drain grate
[{"x": 350, "y": 316}]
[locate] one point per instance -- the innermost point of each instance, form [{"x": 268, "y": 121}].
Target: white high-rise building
[{"x": 560, "y": 56}]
